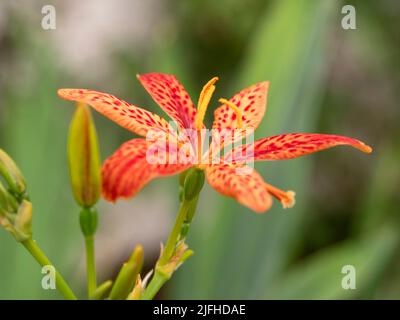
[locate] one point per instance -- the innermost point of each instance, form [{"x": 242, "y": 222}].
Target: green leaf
[{"x": 320, "y": 276}]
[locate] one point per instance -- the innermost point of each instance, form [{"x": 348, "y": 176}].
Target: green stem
[
  {"x": 90, "y": 266},
  {"x": 154, "y": 286},
  {"x": 187, "y": 208},
  {"x": 175, "y": 232},
  {"x": 41, "y": 258}
]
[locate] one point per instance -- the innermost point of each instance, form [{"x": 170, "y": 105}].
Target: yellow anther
[
  {"x": 204, "y": 100},
  {"x": 236, "y": 109}
]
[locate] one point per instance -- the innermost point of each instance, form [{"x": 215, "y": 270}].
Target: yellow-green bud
[
  {"x": 127, "y": 276},
  {"x": 23, "y": 221},
  {"x": 11, "y": 174},
  {"x": 102, "y": 290},
  {"x": 137, "y": 291},
  {"x": 84, "y": 158},
  {"x": 7, "y": 201},
  {"x": 18, "y": 224}
]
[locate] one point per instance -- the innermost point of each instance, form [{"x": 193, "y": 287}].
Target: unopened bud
[
  {"x": 23, "y": 221},
  {"x": 7, "y": 201},
  {"x": 137, "y": 290},
  {"x": 128, "y": 274},
  {"x": 102, "y": 290},
  {"x": 18, "y": 224},
  {"x": 11, "y": 174},
  {"x": 84, "y": 158}
]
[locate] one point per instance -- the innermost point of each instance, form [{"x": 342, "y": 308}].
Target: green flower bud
[
  {"x": 137, "y": 291},
  {"x": 23, "y": 221},
  {"x": 7, "y": 201},
  {"x": 193, "y": 184},
  {"x": 127, "y": 276},
  {"x": 102, "y": 290},
  {"x": 84, "y": 158},
  {"x": 11, "y": 174},
  {"x": 18, "y": 224}
]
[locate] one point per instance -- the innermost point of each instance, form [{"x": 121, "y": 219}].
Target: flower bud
[
  {"x": 102, "y": 290},
  {"x": 84, "y": 158},
  {"x": 137, "y": 290},
  {"x": 11, "y": 174},
  {"x": 7, "y": 201},
  {"x": 18, "y": 224},
  {"x": 23, "y": 221},
  {"x": 193, "y": 184},
  {"x": 128, "y": 274}
]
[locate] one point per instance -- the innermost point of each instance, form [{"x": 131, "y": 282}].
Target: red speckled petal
[
  {"x": 171, "y": 96},
  {"x": 133, "y": 118},
  {"x": 292, "y": 145},
  {"x": 248, "y": 189},
  {"x": 252, "y": 102},
  {"x": 131, "y": 167}
]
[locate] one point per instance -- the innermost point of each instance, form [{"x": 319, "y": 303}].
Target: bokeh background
[{"x": 323, "y": 79}]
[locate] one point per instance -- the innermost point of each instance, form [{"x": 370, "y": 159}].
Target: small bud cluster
[{"x": 15, "y": 207}]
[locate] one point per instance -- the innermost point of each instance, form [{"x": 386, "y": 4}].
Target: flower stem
[
  {"x": 176, "y": 251},
  {"x": 90, "y": 265},
  {"x": 88, "y": 222},
  {"x": 175, "y": 232},
  {"x": 154, "y": 286},
  {"x": 41, "y": 258},
  {"x": 187, "y": 208}
]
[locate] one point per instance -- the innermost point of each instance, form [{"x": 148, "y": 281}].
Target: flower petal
[
  {"x": 132, "y": 166},
  {"x": 291, "y": 145},
  {"x": 171, "y": 96},
  {"x": 252, "y": 102},
  {"x": 247, "y": 187},
  {"x": 131, "y": 117}
]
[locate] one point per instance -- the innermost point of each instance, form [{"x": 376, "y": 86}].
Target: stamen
[
  {"x": 287, "y": 198},
  {"x": 204, "y": 100},
  {"x": 236, "y": 109}
]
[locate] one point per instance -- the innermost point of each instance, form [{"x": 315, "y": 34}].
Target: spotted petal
[
  {"x": 131, "y": 117},
  {"x": 135, "y": 163},
  {"x": 252, "y": 102},
  {"x": 171, "y": 96},
  {"x": 291, "y": 145},
  {"x": 241, "y": 183}
]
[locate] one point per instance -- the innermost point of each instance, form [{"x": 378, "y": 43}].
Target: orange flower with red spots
[{"x": 129, "y": 169}]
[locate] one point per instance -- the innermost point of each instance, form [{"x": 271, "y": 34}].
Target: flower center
[{"x": 202, "y": 105}]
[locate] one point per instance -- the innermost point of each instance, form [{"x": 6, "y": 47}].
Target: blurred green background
[{"x": 323, "y": 79}]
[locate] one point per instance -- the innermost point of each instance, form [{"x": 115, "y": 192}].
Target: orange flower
[{"x": 128, "y": 169}]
